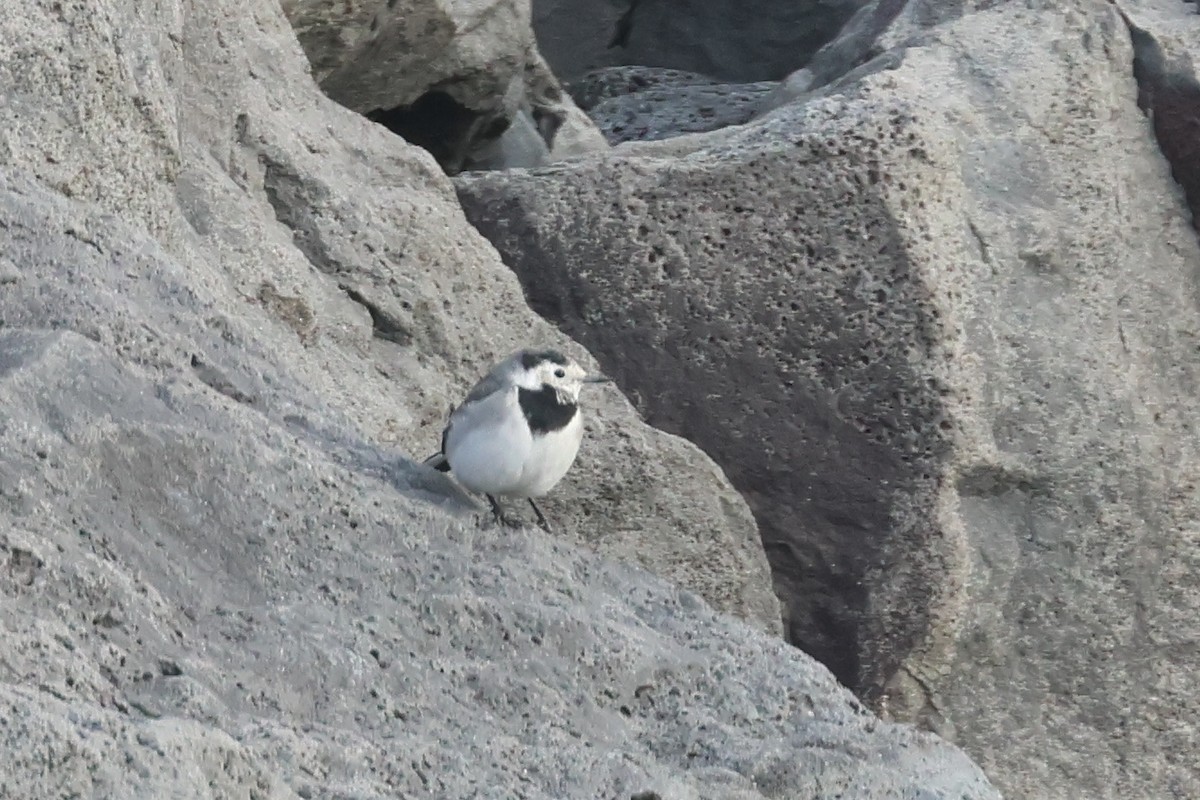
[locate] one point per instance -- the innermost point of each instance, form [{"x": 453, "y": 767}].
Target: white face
[{"x": 567, "y": 379}]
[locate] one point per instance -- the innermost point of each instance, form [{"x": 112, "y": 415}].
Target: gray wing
[
  {"x": 491, "y": 384},
  {"x": 499, "y": 377},
  {"x": 489, "y": 410}
]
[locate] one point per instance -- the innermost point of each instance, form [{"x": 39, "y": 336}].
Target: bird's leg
[
  {"x": 500, "y": 516},
  {"x": 541, "y": 518}
]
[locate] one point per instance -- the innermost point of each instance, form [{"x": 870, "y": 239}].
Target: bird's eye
[{"x": 560, "y": 373}]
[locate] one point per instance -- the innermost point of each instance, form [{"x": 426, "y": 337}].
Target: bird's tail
[{"x": 438, "y": 461}]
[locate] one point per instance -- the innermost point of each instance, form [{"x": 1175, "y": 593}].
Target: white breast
[
  {"x": 550, "y": 456},
  {"x": 490, "y": 449}
]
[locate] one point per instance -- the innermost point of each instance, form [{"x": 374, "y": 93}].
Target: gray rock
[
  {"x": 308, "y": 236},
  {"x": 576, "y": 38},
  {"x": 661, "y": 114},
  {"x": 451, "y": 77},
  {"x": 735, "y": 41},
  {"x": 377, "y": 55},
  {"x": 185, "y": 614},
  {"x": 239, "y": 308},
  {"x": 1166, "y": 42},
  {"x": 873, "y": 39},
  {"x": 200, "y": 598},
  {"x": 610, "y": 82},
  {"x": 521, "y": 145},
  {"x": 549, "y": 130},
  {"x": 8, "y": 271},
  {"x": 947, "y": 345},
  {"x": 649, "y": 103}
]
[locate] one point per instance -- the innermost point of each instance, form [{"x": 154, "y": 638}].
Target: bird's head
[{"x": 535, "y": 369}]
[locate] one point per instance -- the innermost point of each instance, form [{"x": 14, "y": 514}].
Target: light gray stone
[
  {"x": 873, "y": 39},
  {"x": 452, "y": 77},
  {"x": 305, "y": 233},
  {"x": 376, "y": 55},
  {"x": 241, "y": 309},
  {"x": 944, "y": 315},
  {"x": 201, "y": 600}
]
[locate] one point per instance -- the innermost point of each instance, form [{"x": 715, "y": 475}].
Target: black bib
[{"x": 543, "y": 410}]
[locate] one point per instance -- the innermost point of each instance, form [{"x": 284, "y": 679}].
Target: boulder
[
  {"x": 735, "y": 41},
  {"x": 938, "y": 323},
  {"x": 454, "y": 78},
  {"x": 1166, "y": 43},
  {"x": 608, "y": 83},
  {"x": 313, "y": 238},
  {"x": 213, "y": 584},
  {"x": 650, "y": 103}
]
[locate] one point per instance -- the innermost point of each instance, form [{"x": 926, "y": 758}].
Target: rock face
[
  {"x": 1168, "y": 88},
  {"x": 649, "y": 103},
  {"x": 736, "y": 41},
  {"x": 229, "y": 308},
  {"x": 200, "y": 602},
  {"x": 388, "y": 306},
  {"x": 453, "y": 77},
  {"x": 944, "y": 339}
]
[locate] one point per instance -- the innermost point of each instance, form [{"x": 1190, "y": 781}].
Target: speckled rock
[
  {"x": 606, "y": 83},
  {"x": 231, "y": 310},
  {"x": 200, "y": 602},
  {"x": 649, "y": 103},
  {"x": 945, "y": 342},
  {"x": 1166, "y": 41},
  {"x": 309, "y": 235},
  {"x": 454, "y": 78}
]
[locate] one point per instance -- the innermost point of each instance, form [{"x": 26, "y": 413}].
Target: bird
[{"x": 517, "y": 432}]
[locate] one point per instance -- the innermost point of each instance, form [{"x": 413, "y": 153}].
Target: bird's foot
[
  {"x": 502, "y": 518},
  {"x": 541, "y": 518}
]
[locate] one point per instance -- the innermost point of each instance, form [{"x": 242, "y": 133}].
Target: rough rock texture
[
  {"x": 319, "y": 238},
  {"x": 199, "y": 602},
  {"x": 228, "y": 307},
  {"x": 1166, "y": 41},
  {"x": 369, "y": 55},
  {"x": 736, "y": 41},
  {"x": 729, "y": 298},
  {"x": 453, "y": 77},
  {"x": 610, "y": 82},
  {"x": 940, "y": 325},
  {"x": 873, "y": 39},
  {"x": 649, "y": 103}
]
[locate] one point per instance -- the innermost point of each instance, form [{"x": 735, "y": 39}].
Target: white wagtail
[{"x": 519, "y": 429}]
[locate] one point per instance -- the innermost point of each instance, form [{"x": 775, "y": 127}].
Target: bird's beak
[{"x": 597, "y": 379}]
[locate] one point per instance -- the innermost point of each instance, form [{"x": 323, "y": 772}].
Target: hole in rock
[{"x": 440, "y": 124}]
